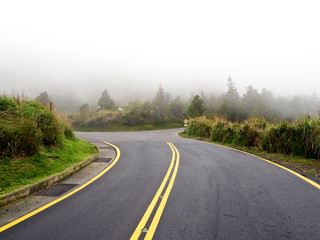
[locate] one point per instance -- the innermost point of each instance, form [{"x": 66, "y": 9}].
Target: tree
[
  {"x": 213, "y": 103},
  {"x": 196, "y": 108},
  {"x": 160, "y": 99},
  {"x": 44, "y": 98},
  {"x": 232, "y": 94},
  {"x": 205, "y": 100},
  {"x": 84, "y": 108},
  {"x": 105, "y": 102},
  {"x": 230, "y": 106},
  {"x": 176, "y": 111},
  {"x": 160, "y": 106},
  {"x": 252, "y": 105},
  {"x": 139, "y": 113}
]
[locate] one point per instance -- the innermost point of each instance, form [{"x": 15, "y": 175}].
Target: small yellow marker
[{"x": 186, "y": 122}]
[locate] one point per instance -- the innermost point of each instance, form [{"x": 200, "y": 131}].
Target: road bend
[{"x": 167, "y": 187}]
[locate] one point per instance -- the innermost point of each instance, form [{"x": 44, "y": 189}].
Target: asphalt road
[{"x": 218, "y": 193}]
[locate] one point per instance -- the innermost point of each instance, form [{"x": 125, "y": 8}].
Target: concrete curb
[{"x": 48, "y": 182}]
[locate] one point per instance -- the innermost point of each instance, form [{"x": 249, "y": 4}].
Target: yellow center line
[
  {"x": 159, "y": 212},
  {"x": 11, "y": 224},
  {"x": 155, "y": 199},
  {"x": 137, "y": 232}
]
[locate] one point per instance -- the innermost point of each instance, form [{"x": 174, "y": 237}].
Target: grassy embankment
[
  {"x": 35, "y": 143},
  {"x": 295, "y": 145}
]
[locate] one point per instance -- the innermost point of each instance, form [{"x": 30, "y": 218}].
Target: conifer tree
[
  {"x": 105, "y": 102},
  {"x": 196, "y": 108}
]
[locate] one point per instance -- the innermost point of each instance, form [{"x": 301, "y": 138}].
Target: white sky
[{"x": 127, "y": 46}]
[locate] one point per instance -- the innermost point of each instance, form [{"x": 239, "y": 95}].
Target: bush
[
  {"x": 50, "y": 128},
  {"x": 251, "y": 131},
  {"x": 25, "y": 125},
  {"x": 100, "y": 118},
  {"x": 199, "y": 127},
  {"x": 66, "y": 127},
  {"x": 301, "y": 138},
  {"x": 19, "y": 136},
  {"x": 8, "y": 105},
  {"x": 307, "y": 141},
  {"x": 222, "y": 131},
  {"x": 280, "y": 138},
  {"x": 46, "y": 121}
]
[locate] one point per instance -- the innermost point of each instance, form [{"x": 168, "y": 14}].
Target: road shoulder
[{"x": 92, "y": 168}]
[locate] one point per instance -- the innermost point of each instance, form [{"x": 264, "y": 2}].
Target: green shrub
[
  {"x": 8, "y": 106},
  {"x": 199, "y": 127},
  {"x": 280, "y": 138},
  {"x": 25, "y": 125},
  {"x": 66, "y": 127},
  {"x": 250, "y": 132},
  {"x": 222, "y": 131},
  {"x": 46, "y": 121},
  {"x": 19, "y": 136},
  {"x": 307, "y": 142},
  {"x": 50, "y": 128},
  {"x": 301, "y": 138}
]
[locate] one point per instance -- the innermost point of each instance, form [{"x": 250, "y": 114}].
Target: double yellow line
[
  {"x": 172, "y": 171},
  {"x": 170, "y": 176}
]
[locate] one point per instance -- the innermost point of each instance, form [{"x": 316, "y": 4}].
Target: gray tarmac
[{"x": 218, "y": 194}]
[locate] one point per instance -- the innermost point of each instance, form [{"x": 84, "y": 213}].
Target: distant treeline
[
  {"x": 259, "y": 104},
  {"x": 164, "y": 109},
  {"x": 160, "y": 111}
]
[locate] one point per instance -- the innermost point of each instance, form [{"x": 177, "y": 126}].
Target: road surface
[{"x": 217, "y": 193}]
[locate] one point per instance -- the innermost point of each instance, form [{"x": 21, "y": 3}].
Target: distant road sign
[{"x": 186, "y": 122}]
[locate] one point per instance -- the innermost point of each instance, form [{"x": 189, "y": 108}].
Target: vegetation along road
[{"x": 167, "y": 187}]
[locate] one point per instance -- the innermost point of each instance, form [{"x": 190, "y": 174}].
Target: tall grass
[
  {"x": 65, "y": 126},
  {"x": 26, "y": 125},
  {"x": 19, "y": 136},
  {"x": 300, "y": 138},
  {"x": 96, "y": 119}
]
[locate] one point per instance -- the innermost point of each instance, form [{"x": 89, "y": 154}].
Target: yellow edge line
[
  {"x": 160, "y": 209},
  {"x": 287, "y": 169},
  {"x": 11, "y": 224},
  {"x": 136, "y": 234}
]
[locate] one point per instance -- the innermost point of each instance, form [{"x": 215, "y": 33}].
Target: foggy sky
[{"x": 130, "y": 47}]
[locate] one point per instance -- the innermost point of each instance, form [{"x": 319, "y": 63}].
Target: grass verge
[
  {"x": 16, "y": 173},
  {"x": 126, "y": 128},
  {"x": 305, "y": 166}
]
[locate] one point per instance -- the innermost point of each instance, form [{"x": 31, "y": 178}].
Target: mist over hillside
[
  {"x": 130, "y": 48},
  {"x": 252, "y": 102}
]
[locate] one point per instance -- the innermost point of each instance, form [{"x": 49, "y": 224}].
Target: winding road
[{"x": 209, "y": 192}]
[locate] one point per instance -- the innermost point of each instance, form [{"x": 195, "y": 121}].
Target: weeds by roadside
[
  {"x": 292, "y": 144},
  {"x": 301, "y": 138},
  {"x": 35, "y": 142},
  {"x": 26, "y": 126}
]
